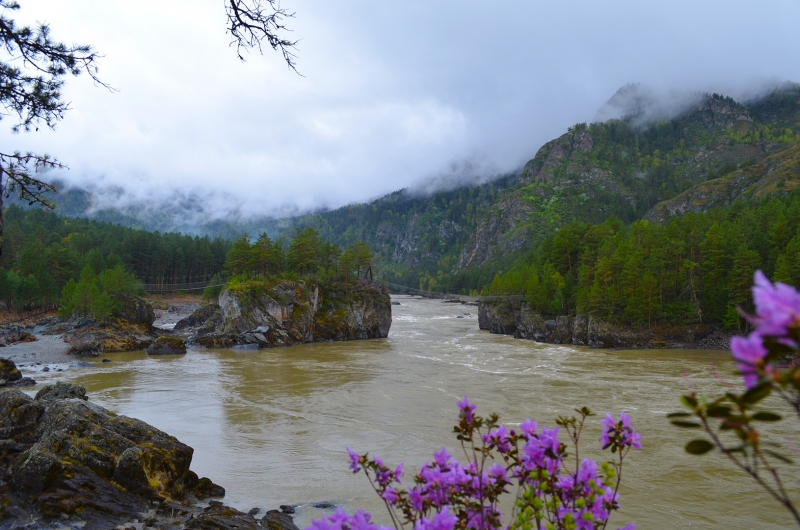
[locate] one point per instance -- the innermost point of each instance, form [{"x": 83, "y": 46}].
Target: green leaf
[
  {"x": 699, "y": 447},
  {"x": 685, "y": 424},
  {"x": 679, "y": 414},
  {"x": 719, "y": 411},
  {"x": 734, "y": 398},
  {"x": 757, "y": 393},
  {"x": 766, "y": 416},
  {"x": 689, "y": 401},
  {"x": 779, "y": 456}
]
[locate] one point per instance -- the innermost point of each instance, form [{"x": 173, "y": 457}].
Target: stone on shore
[
  {"x": 275, "y": 520},
  {"x": 167, "y": 346}
]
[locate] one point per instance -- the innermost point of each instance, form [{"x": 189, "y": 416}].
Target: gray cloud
[{"x": 395, "y": 94}]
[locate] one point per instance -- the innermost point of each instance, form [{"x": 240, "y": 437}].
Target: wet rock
[
  {"x": 61, "y": 390},
  {"x": 83, "y": 345},
  {"x": 286, "y": 508},
  {"x": 223, "y": 518},
  {"x": 325, "y": 505},
  {"x": 9, "y": 371},
  {"x": 81, "y": 364},
  {"x": 167, "y": 346},
  {"x": 206, "y": 488},
  {"x": 106, "y": 361},
  {"x": 25, "y": 381},
  {"x": 275, "y": 520},
  {"x": 13, "y": 334},
  {"x": 395, "y": 302},
  {"x": 254, "y": 511},
  {"x": 67, "y": 456}
]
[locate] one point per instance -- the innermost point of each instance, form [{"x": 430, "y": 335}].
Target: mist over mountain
[{"x": 198, "y": 212}]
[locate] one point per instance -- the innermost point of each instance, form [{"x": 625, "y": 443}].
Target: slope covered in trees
[
  {"x": 695, "y": 268},
  {"x": 42, "y": 252}
]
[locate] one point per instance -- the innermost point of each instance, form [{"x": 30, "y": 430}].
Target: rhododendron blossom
[{"x": 550, "y": 493}]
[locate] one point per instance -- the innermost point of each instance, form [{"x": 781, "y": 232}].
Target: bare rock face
[
  {"x": 514, "y": 317},
  {"x": 291, "y": 312}
]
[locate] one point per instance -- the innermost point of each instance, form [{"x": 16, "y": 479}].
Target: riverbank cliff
[
  {"x": 514, "y": 317},
  {"x": 265, "y": 315}
]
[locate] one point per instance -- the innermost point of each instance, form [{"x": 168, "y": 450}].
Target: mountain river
[{"x": 271, "y": 426}]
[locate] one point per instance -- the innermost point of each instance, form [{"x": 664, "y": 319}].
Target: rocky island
[{"x": 265, "y": 315}]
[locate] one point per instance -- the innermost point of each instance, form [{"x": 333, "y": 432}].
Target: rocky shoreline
[
  {"x": 511, "y": 317},
  {"x": 69, "y": 463}
]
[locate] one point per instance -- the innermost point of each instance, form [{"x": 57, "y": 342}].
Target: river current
[{"x": 271, "y": 426}]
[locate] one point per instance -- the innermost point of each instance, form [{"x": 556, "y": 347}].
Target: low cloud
[{"x": 394, "y": 95}]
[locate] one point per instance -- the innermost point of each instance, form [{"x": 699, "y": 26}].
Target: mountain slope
[{"x": 622, "y": 169}]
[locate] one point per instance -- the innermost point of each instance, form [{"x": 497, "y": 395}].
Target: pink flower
[
  {"x": 777, "y": 306},
  {"x": 748, "y": 352},
  {"x": 466, "y": 409}
]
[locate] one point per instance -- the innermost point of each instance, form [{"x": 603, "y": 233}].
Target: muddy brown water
[{"x": 271, "y": 426}]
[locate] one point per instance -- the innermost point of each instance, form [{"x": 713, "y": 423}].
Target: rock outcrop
[
  {"x": 13, "y": 334},
  {"x": 66, "y": 459},
  {"x": 514, "y": 317},
  {"x": 290, "y": 312},
  {"x": 167, "y": 346},
  {"x": 131, "y": 331}
]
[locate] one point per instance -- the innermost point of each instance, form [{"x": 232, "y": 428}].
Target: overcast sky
[{"x": 393, "y": 93}]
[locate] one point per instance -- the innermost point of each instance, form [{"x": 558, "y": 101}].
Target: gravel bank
[{"x": 46, "y": 349}]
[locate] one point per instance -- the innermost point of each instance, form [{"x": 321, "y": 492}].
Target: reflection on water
[{"x": 271, "y": 425}]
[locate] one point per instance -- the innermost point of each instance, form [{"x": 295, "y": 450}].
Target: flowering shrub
[
  {"x": 553, "y": 489},
  {"x": 767, "y": 360}
]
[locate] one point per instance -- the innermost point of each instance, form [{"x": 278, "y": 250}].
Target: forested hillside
[
  {"x": 716, "y": 152},
  {"x": 696, "y": 268},
  {"x": 43, "y": 251}
]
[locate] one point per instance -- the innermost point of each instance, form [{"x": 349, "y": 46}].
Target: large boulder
[
  {"x": 137, "y": 310},
  {"x": 69, "y": 458},
  {"x": 9, "y": 371},
  {"x": 275, "y": 520},
  {"x": 167, "y": 346},
  {"x": 61, "y": 390}
]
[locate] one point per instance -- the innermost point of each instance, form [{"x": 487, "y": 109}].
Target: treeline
[
  {"x": 306, "y": 255},
  {"x": 42, "y": 252},
  {"x": 99, "y": 294},
  {"x": 697, "y": 268}
]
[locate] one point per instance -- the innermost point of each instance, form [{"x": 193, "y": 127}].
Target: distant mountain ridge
[{"x": 654, "y": 158}]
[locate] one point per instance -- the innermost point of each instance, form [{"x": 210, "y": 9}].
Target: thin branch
[{"x": 250, "y": 22}]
